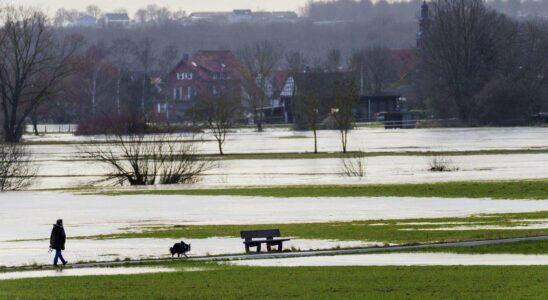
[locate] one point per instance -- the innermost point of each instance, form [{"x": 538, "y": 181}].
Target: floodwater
[
  {"x": 29, "y": 215},
  {"x": 36, "y": 252},
  {"x": 444, "y": 139},
  {"x": 401, "y": 259},
  {"x": 61, "y": 165},
  {"x": 85, "y": 272},
  {"x": 382, "y": 169}
]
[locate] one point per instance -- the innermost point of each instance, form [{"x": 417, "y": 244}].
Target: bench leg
[
  {"x": 246, "y": 248},
  {"x": 258, "y": 248},
  {"x": 280, "y": 247},
  {"x": 268, "y": 247}
]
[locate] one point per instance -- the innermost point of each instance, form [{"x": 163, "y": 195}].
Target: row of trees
[
  {"x": 397, "y": 11},
  {"x": 150, "y": 15},
  {"x": 482, "y": 66}
]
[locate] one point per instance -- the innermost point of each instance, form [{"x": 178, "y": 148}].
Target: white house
[{"x": 115, "y": 20}]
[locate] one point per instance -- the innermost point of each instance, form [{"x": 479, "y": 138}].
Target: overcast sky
[{"x": 187, "y": 5}]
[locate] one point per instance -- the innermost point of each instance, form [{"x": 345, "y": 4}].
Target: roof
[
  {"x": 276, "y": 14},
  {"x": 278, "y": 80},
  {"x": 242, "y": 12},
  {"x": 211, "y": 14},
  {"x": 208, "y": 64},
  {"x": 117, "y": 17},
  {"x": 86, "y": 18},
  {"x": 218, "y": 61},
  {"x": 320, "y": 82}
]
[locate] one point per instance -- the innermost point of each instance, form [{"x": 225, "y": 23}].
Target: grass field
[
  {"x": 296, "y": 283},
  {"x": 516, "y": 189},
  {"x": 388, "y": 231}
]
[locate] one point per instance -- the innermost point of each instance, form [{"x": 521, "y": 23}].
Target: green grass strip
[
  {"x": 387, "y": 231},
  {"x": 455, "y": 282},
  {"x": 519, "y": 189}
]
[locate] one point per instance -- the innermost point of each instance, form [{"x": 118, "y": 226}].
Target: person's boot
[{"x": 65, "y": 262}]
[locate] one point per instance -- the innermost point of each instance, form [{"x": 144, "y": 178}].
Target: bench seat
[{"x": 266, "y": 237}]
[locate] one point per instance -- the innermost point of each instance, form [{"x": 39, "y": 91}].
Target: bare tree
[
  {"x": 333, "y": 60},
  {"x": 308, "y": 104},
  {"x": 345, "y": 96},
  {"x": 441, "y": 163},
  {"x": 375, "y": 69},
  {"x": 464, "y": 46},
  {"x": 145, "y": 59},
  {"x": 94, "y": 11},
  {"x": 168, "y": 58},
  {"x": 32, "y": 63},
  {"x": 219, "y": 113},
  {"x": 296, "y": 61},
  {"x": 354, "y": 165},
  {"x": 16, "y": 168},
  {"x": 120, "y": 52},
  {"x": 146, "y": 160},
  {"x": 260, "y": 59},
  {"x": 93, "y": 70}
]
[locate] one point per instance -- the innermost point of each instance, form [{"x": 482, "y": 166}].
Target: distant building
[
  {"x": 85, "y": 21},
  {"x": 218, "y": 17},
  {"x": 240, "y": 15},
  {"x": 244, "y": 15},
  {"x": 116, "y": 20},
  {"x": 205, "y": 74},
  {"x": 275, "y": 16},
  {"x": 285, "y": 96}
]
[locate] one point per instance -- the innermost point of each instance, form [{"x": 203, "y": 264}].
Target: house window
[
  {"x": 162, "y": 107},
  {"x": 184, "y": 76},
  {"x": 178, "y": 93},
  {"x": 189, "y": 92}
]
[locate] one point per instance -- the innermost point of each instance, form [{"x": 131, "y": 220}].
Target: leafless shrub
[
  {"x": 139, "y": 160},
  {"x": 441, "y": 163},
  {"x": 16, "y": 169},
  {"x": 354, "y": 165}
]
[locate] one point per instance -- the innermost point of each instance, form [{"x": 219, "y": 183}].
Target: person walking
[{"x": 57, "y": 242}]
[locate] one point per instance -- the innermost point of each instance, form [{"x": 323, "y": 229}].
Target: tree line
[
  {"x": 481, "y": 66},
  {"x": 475, "y": 63}
]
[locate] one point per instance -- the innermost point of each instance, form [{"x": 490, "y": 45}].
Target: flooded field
[
  {"x": 61, "y": 165},
  {"x": 285, "y": 140},
  {"x": 381, "y": 169},
  {"x": 402, "y": 259},
  {"x": 27, "y": 217}
]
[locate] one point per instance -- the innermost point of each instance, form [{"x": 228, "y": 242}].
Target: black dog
[{"x": 179, "y": 248}]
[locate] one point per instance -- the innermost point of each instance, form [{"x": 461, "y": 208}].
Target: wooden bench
[{"x": 266, "y": 237}]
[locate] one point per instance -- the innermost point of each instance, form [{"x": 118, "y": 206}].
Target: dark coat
[{"x": 57, "y": 238}]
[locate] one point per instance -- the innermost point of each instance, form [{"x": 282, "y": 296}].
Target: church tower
[{"x": 424, "y": 23}]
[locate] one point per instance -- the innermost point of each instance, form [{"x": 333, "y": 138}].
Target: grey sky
[{"x": 187, "y": 5}]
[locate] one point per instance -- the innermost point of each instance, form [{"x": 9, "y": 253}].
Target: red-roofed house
[{"x": 206, "y": 74}]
